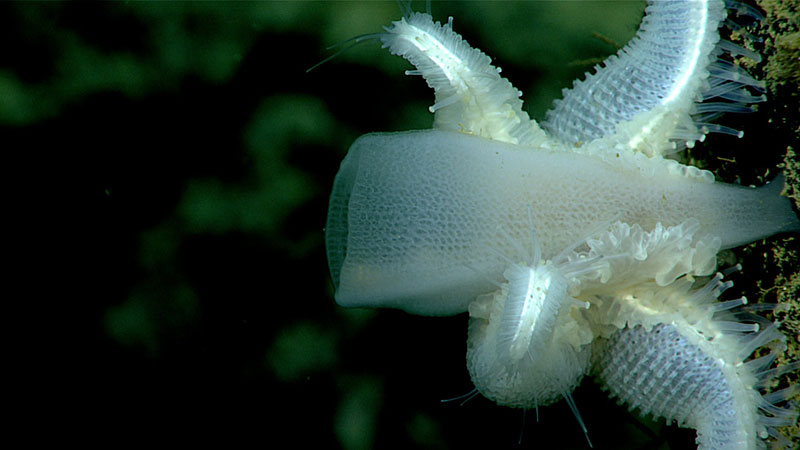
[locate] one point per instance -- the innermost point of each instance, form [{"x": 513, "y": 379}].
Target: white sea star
[{"x": 575, "y": 249}]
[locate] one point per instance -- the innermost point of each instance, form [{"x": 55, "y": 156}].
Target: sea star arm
[
  {"x": 646, "y": 98},
  {"x": 677, "y": 372},
  {"x": 471, "y": 96}
]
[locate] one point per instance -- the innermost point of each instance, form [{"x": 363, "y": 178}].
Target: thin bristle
[{"x": 347, "y": 44}]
